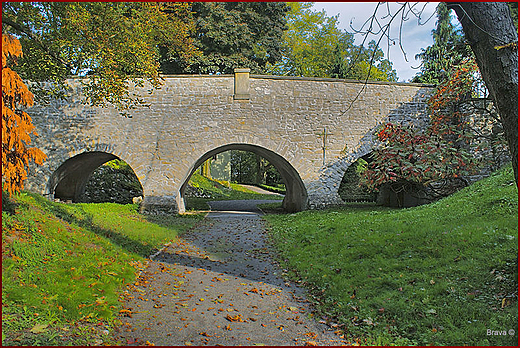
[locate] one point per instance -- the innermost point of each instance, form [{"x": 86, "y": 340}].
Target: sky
[{"x": 414, "y": 36}]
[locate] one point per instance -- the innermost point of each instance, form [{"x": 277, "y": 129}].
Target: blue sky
[{"x": 414, "y": 36}]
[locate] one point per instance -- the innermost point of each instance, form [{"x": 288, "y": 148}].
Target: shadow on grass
[
  {"x": 277, "y": 209},
  {"x": 78, "y": 216},
  {"x": 8, "y": 205},
  {"x": 181, "y": 225}
]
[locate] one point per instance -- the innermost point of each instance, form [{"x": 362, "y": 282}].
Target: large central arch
[{"x": 296, "y": 194}]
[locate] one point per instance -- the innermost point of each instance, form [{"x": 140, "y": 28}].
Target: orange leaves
[
  {"x": 458, "y": 86},
  {"x": 126, "y": 313},
  {"x": 10, "y": 48},
  {"x": 16, "y": 124},
  {"x": 14, "y": 90},
  {"x": 311, "y": 335},
  {"x": 235, "y": 318}
]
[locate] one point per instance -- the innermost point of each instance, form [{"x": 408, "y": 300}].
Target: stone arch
[
  {"x": 296, "y": 193},
  {"x": 331, "y": 175},
  {"x": 69, "y": 180},
  {"x": 352, "y": 192}
]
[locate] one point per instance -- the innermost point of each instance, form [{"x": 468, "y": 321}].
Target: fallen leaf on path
[
  {"x": 126, "y": 312},
  {"x": 236, "y": 318},
  {"x": 311, "y": 343}
]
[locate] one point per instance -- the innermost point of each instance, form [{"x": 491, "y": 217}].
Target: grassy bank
[
  {"x": 441, "y": 274},
  {"x": 64, "y": 266},
  {"x": 280, "y": 188},
  {"x": 215, "y": 190}
]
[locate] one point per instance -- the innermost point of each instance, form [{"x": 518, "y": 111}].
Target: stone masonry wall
[{"x": 192, "y": 115}]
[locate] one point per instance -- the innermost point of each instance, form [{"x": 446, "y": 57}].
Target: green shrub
[{"x": 114, "y": 182}]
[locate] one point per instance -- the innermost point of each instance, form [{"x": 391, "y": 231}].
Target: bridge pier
[
  {"x": 159, "y": 205},
  {"x": 323, "y": 200}
]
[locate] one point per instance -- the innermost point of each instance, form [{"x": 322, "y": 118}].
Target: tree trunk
[
  {"x": 260, "y": 170},
  {"x": 205, "y": 169},
  {"x": 491, "y": 33}
]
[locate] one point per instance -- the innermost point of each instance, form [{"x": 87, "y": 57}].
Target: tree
[
  {"x": 513, "y": 7},
  {"x": 409, "y": 160},
  {"x": 109, "y": 44},
  {"x": 316, "y": 47},
  {"x": 310, "y": 41},
  {"x": 491, "y": 32},
  {"x": 16, "y": 124},
  {"x": 248, "y": 167},
  {"x": 448, "y": 49},
  {"x": 364, "y": 63},
  {"x": 493, "y": 37},
  {"x": 232, "y": 35}
]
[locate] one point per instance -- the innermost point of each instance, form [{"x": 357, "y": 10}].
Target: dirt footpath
[{"x": 218, "y": 286}]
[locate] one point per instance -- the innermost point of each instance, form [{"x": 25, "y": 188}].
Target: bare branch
[{"x": 385, "y": 30}]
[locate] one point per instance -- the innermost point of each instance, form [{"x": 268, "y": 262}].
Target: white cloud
[{"x": 414, "y": 36}]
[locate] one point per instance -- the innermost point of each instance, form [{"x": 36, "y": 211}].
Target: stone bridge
[{"x": 310, "y": 129}]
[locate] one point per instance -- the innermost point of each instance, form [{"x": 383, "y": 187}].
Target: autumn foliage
[
  {"x": 17, "y": 125},
  {"x": 440, "y": 152}
]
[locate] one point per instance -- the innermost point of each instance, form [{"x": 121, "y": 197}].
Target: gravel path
[{"x": 219, "y": 286}]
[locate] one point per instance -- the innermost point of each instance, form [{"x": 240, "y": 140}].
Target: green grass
[
  {"x": 219, "y": 190},
  {"x": 65, "y": 265},
  {"x": 280, "y": 188},
  {"x": 440, "y": 274}
]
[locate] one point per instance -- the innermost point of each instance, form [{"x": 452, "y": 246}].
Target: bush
[{"x": 113, "y": 182}]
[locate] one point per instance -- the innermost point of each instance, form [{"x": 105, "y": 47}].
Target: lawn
[
  {"x": 64, "y": 266},
  {"x": 216, "y": 190},
  {"x": 439, "y": 274}
]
